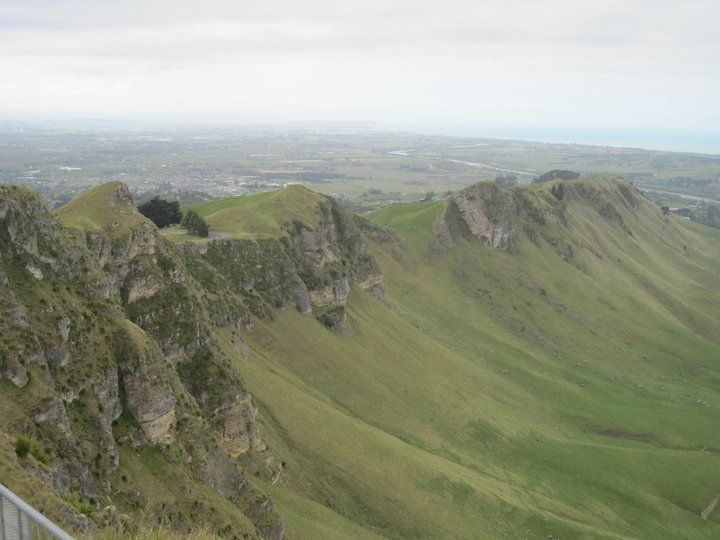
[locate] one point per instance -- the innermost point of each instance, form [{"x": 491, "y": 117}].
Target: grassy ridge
[
  {"x": 508, "y": 394},
  {"x": 263, "y": 214}
]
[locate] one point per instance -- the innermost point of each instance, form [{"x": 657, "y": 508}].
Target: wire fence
[{"x": 20, "y": 521}]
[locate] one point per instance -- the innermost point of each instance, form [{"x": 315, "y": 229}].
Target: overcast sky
[{"x": 603, "y": 63}]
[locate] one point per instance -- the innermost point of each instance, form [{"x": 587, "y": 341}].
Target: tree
[
  {"x": 429, "y": 196},
  {"x": 195, "y": 224},
  {"x": 161, "y": 212},
  {"x": 562, "y": 174}
]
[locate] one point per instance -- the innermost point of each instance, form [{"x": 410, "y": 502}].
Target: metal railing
[{"x": 20, "y": 521}]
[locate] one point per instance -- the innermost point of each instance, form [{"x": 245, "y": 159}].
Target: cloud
[{"x": 566, "y": 62}]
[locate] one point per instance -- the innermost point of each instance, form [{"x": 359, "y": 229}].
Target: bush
[
  {"x": 25, "y": 445},
  {"x": 40, "y": 455},
  {"x": 81, "y": 503}
]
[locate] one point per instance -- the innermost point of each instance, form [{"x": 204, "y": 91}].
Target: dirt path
[{"x": 710, "y": 507}]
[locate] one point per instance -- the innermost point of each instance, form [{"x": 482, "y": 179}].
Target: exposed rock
[
  {"x": 153, "y": 406},
  {"x": 275, "y": 530},
  {"x": 302, "y": 299},
  {"x": 64, "y": 328},
  {"x": 239, "y": 420},
  {"x": 52, "y": 415},
  {"x": 13, "y": 370},
  {"x": 17, "y": 315},
  {"x": 110, "y": 518},
  {"x": 148, "y": 395},
  {"x": 107, "y": 391},
  {"x": 34, "y": 271},
  {"x": 61, "y": 356},
  {"x": 75, "y": 520},
  {"x": 482, "y": 211},
  {"x": 336, "y": 294},
  {"x": 143, "y": 288}
]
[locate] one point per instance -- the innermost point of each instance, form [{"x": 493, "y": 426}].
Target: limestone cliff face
[
  {"x": 148, "y": 394},
  {"x": 117, "y": 340},
  {"x": 239, "y": 425},
  {"x": 482, "y": 211},
  {"x": 306, "y": 267},
  {"x": 498, "y": 217}
]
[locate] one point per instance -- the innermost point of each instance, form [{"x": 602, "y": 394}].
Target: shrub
[
  {"x": 40, "y": 455},
  {"x": 23, "y": 444},
  {"x": 80, "y": 503}
]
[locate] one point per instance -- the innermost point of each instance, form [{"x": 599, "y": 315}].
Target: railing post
[
  {"x": 2, "y": 517},
  {"x": 20, "y": 527}
]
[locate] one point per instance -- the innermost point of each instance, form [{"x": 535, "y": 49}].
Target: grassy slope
[
  {"x": 261, "y": 215},
  {"x": 94, "y": 210},
  {"x": 503, "y": 394}
]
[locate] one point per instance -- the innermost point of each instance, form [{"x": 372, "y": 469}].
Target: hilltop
[
  {"x": 531, "y": 361},
  {"x": 105, "y": 208},
  {"x": 265, "y": 214}
]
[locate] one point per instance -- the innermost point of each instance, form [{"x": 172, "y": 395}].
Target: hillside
[
  {"x": 262, "y": 215},
  {"x": 530, "y": 362},
  {"x": 561, "y": 383}
]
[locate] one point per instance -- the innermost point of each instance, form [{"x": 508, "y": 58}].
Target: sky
[{"x": 608, "y": 65}]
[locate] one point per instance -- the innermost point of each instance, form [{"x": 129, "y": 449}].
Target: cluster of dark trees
[
  {"x": 555, "y": 174},
  {"x": 163, "y": 213}
]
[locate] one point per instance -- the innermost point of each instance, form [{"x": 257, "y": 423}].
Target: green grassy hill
[
  {"x": 262, "y": 215},
  {"x": 107, "y": 207},
  {"x": 512, "y": 393},
  {"x": 544, "y": 362}
]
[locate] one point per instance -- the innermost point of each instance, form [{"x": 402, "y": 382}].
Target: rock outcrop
[
  {"x": 306, "y": 267},
  {"x": 497, "y": 217},
  {"x": 482, "y": 211}
]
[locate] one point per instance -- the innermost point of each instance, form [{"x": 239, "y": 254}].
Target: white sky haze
[{"x": 603, "y": 63}]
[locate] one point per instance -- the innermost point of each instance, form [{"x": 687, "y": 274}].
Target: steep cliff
[
  {"x": 109, "y": 332},
  {"x": 98, "y": 375},
  {"x": 497, "y": 216}
]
